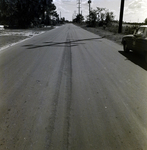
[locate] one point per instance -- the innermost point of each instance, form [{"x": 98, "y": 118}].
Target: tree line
[
  {"x": 24, "y": 13},
  {"x": 97, "y": 17}
]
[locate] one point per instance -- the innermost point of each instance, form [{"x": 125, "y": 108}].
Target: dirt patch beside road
[
  {"x": 7, "y": 40},
  {"x": 9, "y": 37}
]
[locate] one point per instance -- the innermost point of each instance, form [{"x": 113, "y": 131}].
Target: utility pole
[
  {"x": 89, "y": 2},
  {"x": 79, "y": 6},
  {"x": 121, "y": 16}
]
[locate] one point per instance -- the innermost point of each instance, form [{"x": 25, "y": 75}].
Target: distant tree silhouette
[
  {"x": 100, "y": 16},
  {"x": 79, "y": 18}
]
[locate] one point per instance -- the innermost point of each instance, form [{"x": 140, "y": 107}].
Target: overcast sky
[{"x": 134, "y": 10}]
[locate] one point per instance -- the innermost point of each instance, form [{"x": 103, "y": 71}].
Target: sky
[{"x": 134, "y": 10}]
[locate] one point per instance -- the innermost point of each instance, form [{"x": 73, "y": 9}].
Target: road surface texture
[{"x": 69, "y": 89}]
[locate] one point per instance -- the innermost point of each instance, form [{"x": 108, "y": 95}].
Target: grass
[{"x": 111, "y": 32}]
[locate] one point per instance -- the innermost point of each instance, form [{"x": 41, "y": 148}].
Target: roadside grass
[
  {"x": 126, "y": 29},
  {"x": 111, "y": 32}
]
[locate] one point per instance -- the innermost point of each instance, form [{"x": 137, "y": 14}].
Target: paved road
[{"x": 68, "y": 89}]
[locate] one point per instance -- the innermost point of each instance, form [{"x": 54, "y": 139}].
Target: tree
[
  {"x": 25, "y": 13},
  {"x": 7, "y": 10},
  {"x": 49, "y": 13},
  {"x": 145, "y": 21},
  {"x": 62, "y": 20},
  {"x": 92, "y": 18},
  {"x": 22, "y": 13},
  {"x": 79, "y": 18},
  {"x": 100, "y": 16},
  {"x": 101, "y": 13},
  {"x": 109, "y": 17}
]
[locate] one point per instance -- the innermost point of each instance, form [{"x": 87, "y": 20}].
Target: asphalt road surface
[{"x": 69, "y": 89}]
